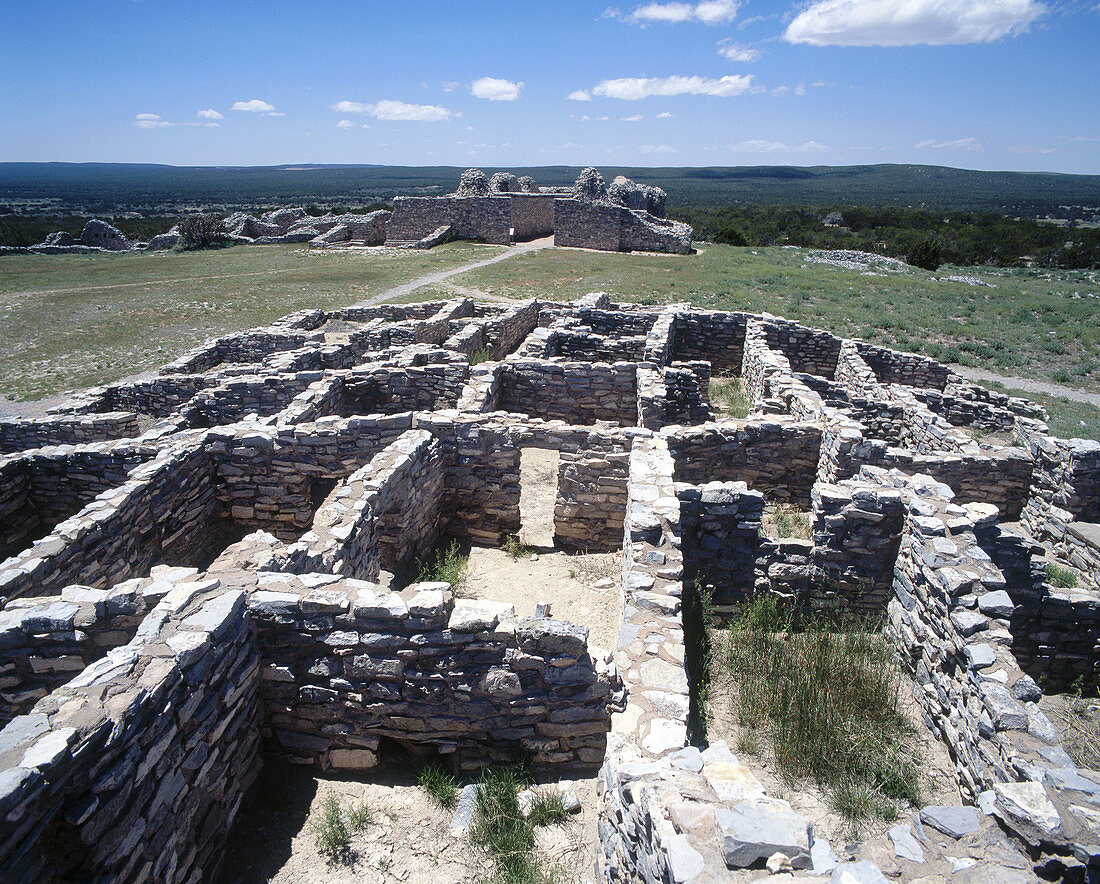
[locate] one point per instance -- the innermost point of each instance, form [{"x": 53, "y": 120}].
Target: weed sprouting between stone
[
  {"x": 516, "y": 548},
  {"x": 825, "y": 696},
  {"x": 727, "y": 397},
  {"x": 1062, "y": 578}
]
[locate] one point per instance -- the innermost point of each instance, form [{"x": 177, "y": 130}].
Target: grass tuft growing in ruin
[
  {"x": 334, "y": 828},
  {"x": 440, "y": 784},
  {"x": 825, "y": 698},
  {"x": 447, "y": 565},
  {"x": 781, "y": 520},
  {"x": 480, "y": 355},
  {"x": 514, "y": 547},
  {"x": 500, "y": 827},
  {"x": 727, "y": 397}
]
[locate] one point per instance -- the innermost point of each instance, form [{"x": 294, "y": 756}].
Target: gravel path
[
  {"x": 408, "y": 288},
  {"x": 1028, "y": 385}
]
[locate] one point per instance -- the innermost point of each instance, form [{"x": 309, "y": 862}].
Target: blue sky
[{"x": 985, "y": 84}]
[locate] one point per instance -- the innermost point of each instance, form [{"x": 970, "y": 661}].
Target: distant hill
[{"x": 111, "y": 187}]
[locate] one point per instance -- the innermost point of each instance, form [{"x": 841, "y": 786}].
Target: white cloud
[
  {"x": 736, "y": 52},
  {"x": 709, "y": 12},
  {"x": 759, "y": 146},
  {"x": 388, "y": 109},
  {"x": 657, "y": 148},
  {"x": 495, "y": 89},
  {"x": 150, "y": 121},
  {"x": 209, "y": 115},
  {"x": 256, "y": 106},
  {"x": 633, "y": 118},
  {"x": 579, "y": 95},
  {"x": 664, "y": 116},
  {"x": 634, "y": 88},
  {"x": 346, "y": 124},
  {"x": 957, "y": 143},
  {"x": 910, "y": 22},
  {"x": 781, "y": 90},
  {"x": 450, "y": 85}
]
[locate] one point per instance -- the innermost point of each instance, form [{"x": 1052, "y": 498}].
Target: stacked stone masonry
[{"x": 207, "y": 568}]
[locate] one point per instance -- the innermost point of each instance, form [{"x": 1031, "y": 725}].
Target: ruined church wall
[
  {"x": 532, "y": 215},
  {"x": 488, "y": 218}
]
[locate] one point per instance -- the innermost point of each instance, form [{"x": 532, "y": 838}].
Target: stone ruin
[
  {"x": 200, "y": 576},
  {"x": 504, "y": 209}
]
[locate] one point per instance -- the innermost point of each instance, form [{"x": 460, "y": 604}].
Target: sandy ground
[{"x": 408, "y": 839}]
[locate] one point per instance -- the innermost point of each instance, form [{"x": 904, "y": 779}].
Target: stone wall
[
  {"x": 776, "y": 457},
  {"x": 574, "y": 392},
  {"x": 719, "y": 338},
  {"x": 135, "y": 770},
  {"x": 348, "y": 665},
  {"x": 720, "y": 524},
  {"x": 163, "y": 514},
  {"x": 19, "y": 434},
  {"x": 807, "y": 349},
  {"x": 159, "y": 397},
  {"x": 532, "y": 215},
  {"x": 590, "y": 225},
  {"x": 895, "y": 367},
  {"x": 487, "y": 218},
  {"x": 591, "y": 500}
]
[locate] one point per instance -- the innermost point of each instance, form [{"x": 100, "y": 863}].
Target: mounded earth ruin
[{"x": 201, "y": 575}]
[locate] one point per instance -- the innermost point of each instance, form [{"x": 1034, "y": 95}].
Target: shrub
[
  {"x": 480, "y": 355},
  {"x": 1062, "y": 578},
  {"x": 926, "y": 254},
  {"x": 444, "y": 566},
  {"x": 730, "y": 236},
  {"x": 201, "y": 232},
  {"x": 513, "y": 547}
]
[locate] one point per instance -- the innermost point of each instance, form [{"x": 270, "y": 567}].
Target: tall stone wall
[
  {"x": 720, "y": 525},
  {"x": 807, "y": 349},
  {"x": 611, "y": 228},
  {"x": 135, "y": 770},
  {"x": 591, "y": 500},
  {"x": 532, "y": 215},
  {"x": 487, "y": 218},
  {"x": 163, "y": 514},
  {"x": 894, "y": 367}
]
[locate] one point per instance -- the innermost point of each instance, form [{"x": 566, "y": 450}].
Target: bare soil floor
[{"x": 407, "y": 840}]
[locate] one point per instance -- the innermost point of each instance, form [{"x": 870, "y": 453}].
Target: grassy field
[
  {"x": 71, "y": 321},
  {"x": 1034, "y": 323}
]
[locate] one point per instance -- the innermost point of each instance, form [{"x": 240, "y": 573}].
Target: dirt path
[
  {"x": 407, "y": 288},
  {"x": 1028, "y": 385}
]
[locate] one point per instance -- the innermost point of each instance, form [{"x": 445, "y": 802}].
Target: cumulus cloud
[
  {"x": 956, "y": 143},
  {"x": 389, "y": 109},
  {"x": 665, "y": 115},
  {"x": 346, "y": 124},
  {"x": 709, "y": 12},
  {"x": 759, "y": 146},
  {"x": 450, "y": 85},
  {"x": 256, "y": 106},
  {"x": 209, "y": 114},
  {"x": 634, "y": 88},
  {"x": 736, "y": 52},
  {"x": 910, "y": 22},
  {"x": 150, "y": 121},
  {"x": 579, "y": 95},
  {"x": 495, "y": 89},
  {"x": 633, "y": 118}
]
